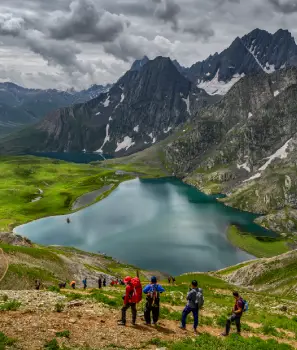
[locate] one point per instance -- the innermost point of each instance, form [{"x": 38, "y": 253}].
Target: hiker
[
  {"x": 169, "y": 279},
  {"x": 236, "y": 314},
  {"x": 100, "y": 283},
  {"x": 152, "y": 291},
  {"x": 37, "y": 284},
  {"x": 133, "y": 295},
  {"x": 62, "y": 285},
  {"x": 195, "y": 301},
  {"x": 72, "y": 284},
  {"x": 104, "y": 282},
  {"x": 85, "y": 283},
  {"x": 173, "y": 280}
]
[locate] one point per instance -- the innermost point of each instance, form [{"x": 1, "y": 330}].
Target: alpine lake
[{"x": 156, "y": 224}]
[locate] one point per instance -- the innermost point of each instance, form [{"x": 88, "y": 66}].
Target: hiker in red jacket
[{"x": 132, "y": 296}]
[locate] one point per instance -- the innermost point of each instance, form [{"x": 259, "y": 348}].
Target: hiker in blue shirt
[
  {"x": 152, "y": 292},
  {"x": 195, "y": 301},
  {"x": 85, "y": 283}
]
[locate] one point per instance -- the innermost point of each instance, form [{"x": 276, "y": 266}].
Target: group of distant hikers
[
  {"x": 133, "y": 296},
  {"x": 195, "y": 302}
]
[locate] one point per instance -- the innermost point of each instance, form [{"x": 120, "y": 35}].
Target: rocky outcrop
[
  {"x": 17, "y": 240},
  {"x": 274, "y": 274}
]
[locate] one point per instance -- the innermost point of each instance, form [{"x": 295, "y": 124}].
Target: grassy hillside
[
  {"x": 32, "y": 187},
  {"x": 276, "y": 275},
  {"x": 69, "y": 319},
  {"x": 261, "y": 247},
  {"x": 58, "y": 264}
]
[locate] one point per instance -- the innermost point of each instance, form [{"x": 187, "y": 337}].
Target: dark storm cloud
[
  {"x": 167, "y": 10},
  {"x": 57, "y": 53},
  {"x": 200, "y": 29},
  {"x": 284, "y": 6},
  {"x": 85, "y": 23}
]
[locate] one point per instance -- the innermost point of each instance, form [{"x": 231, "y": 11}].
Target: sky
[{"x": 76, "y": 43}]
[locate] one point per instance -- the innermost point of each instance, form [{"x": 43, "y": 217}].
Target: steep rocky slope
[
  {"x": 276, "y": 275},
  {"x": 139, "y": 110}
]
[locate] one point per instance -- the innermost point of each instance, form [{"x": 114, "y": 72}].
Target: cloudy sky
[{"x": 76, "y": 43}]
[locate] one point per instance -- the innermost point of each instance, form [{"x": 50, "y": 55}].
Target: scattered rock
[
  {"x": 75, "y": 303},
  {"x": 283, "y": 308},
  {"x": 72, "y": 320}
]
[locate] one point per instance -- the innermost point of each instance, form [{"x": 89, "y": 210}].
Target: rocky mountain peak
[
  {"x": 138, "y": 64},
  {"x": 253, "y": 53},
  {"x": 143, "y": 107}
]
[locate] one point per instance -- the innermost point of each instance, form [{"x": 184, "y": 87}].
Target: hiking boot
[
  {"x": 147, "y": 324},
  {"x": 224, "y": 334},
  {"x": 182, "y": 327},
  {"x": 121, "y": 323}
]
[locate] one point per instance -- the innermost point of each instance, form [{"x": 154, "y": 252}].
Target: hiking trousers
[
  {"x": 133, "y": 309},
  {"x": 154, "y": 309},
  {"x": 186, "y": 312},
  {"x": 234, "y": 318}
]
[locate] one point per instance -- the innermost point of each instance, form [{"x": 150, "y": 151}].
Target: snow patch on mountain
[
  {"x": 126, "y": 144},
  {"x": 280, "y": 153},
  {"x": 276, "y": 93},
  {"x": 166, "y": 131},
  {"x": 107, "y": 101},
  {"x": 136, "y": 129},
  {"x": 98, "y": 113},
  {"x": 107, "y": 138},
  {"x": 187, "y": 102},
  {"x": 218, "y": 87},
  {"x": 250, "y": 115},
  {"x": 252, "y": 51},
  {"x": 122, "y": 97},
  {"x": 244, "y": 166},
  {"x": 269, "y": 68},
  {"x": 254, "y": 177}
]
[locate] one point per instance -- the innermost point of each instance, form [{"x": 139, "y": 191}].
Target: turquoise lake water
[{"x": 159, "y": 224}]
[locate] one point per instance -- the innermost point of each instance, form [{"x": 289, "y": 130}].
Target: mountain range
[
  {"x": 20, "y": 106},
  {"x": 241, "y": 143},
  {"x": 146, "y": 104}
]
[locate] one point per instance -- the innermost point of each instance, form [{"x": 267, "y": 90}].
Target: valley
[{"x": 169, "y": 171}]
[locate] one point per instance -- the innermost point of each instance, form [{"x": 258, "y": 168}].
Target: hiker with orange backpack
[
  {"x": 133, "y": 296},
  {"x": 152, "y": 305}
]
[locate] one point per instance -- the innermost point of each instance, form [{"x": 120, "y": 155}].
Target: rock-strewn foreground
[{"x": 87, "y": 319}]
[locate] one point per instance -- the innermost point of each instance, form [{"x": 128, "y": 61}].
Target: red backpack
[{"x": 137, "y": 289}]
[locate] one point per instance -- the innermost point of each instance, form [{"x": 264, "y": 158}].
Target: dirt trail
[{"x": 95, "y": 325}]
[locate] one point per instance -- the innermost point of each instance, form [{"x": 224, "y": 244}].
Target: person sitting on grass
[
  {"x": 236, "y": 314},
  {"x": 195, "y": 302}
]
